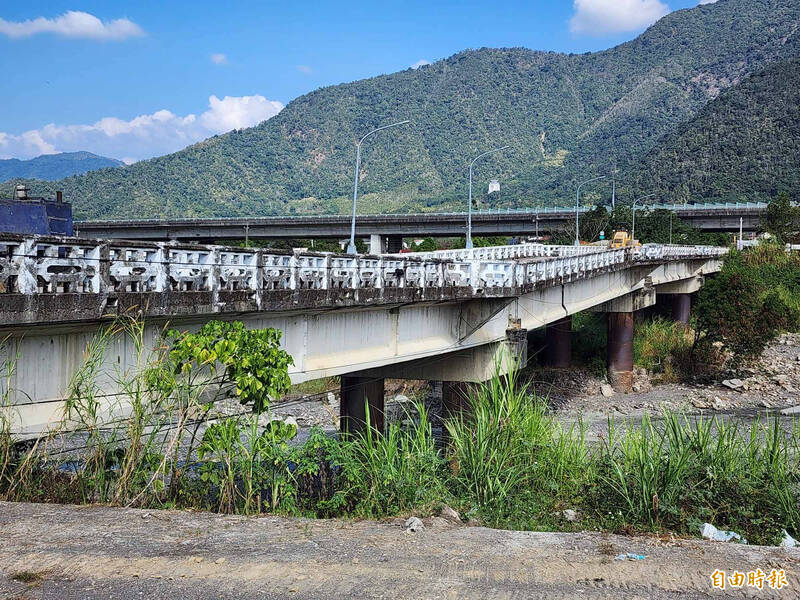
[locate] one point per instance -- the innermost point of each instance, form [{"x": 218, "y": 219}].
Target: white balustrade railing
[{"x": 47, "y": 265}]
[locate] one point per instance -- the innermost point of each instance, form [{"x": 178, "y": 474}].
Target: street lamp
[
  {"x": 351, "y": 247},
  {"x": 577, "y": 208},
  {"x": 469, "y": 211},
  {"x": 633, "y": 225}
]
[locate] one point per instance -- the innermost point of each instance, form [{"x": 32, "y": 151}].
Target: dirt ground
[{"x": 68, "y": 552}]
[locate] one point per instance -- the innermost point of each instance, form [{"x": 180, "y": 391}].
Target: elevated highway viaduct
[
  {"x": 452, "y": 316},
  {"x": 387, "y": 231}
]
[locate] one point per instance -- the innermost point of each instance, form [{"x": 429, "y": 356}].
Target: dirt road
[{"x": 66, "y": 552}]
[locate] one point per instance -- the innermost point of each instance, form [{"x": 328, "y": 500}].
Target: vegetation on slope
[
  {"x": 51, "y": 167},
  {"x": 745, "y": 145},
  {"x": 565, "y": 116}
]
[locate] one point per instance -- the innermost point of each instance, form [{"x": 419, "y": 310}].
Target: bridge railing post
[
  {"x": 101, "y": 280},
  {"x": 24, "y": 257},
  {"x": 293, "y": 276},
  {"x": 161, "y": 259},
  {"x": 213, "y": 259}
]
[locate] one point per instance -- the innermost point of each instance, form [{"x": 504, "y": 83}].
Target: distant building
[
  {"x": 37, "y": 216},
  {"x": 494, "y": 186}
]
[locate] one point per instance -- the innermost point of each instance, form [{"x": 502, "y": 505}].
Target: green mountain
[
  {"x": 567, "y": 117},
  {"x": 743, "y": 146},
  {"x": 51, "y": 167}
]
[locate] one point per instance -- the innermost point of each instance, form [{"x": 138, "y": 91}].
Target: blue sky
[{"x": 138, "y": 79}]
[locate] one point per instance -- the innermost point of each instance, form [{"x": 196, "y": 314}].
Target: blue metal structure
[{"x": 38, "y": 216}]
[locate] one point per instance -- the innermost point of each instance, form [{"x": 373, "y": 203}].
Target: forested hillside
[
  {"x": 565, "y": 116},
  {"x": 745, "y": 145},
  {"x": 54, "y": 166}
]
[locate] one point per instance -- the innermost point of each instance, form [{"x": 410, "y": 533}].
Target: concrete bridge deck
[
  {"x": 451, "y": 316},
  {"x": 524, "y": 222}
]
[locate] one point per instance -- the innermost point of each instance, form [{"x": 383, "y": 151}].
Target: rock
[
  {"x": 401, "y": 399},
  {"x": 331, "y": 397},
  {"x": 792, "y": 410},
  {"x": 733, "y": 384},
  {"x": 413, "y": 525},
  {"x": 571, "y": 515},
  {"x": 440, "y": 523},
  {"x": 700, "y": 403},
  {"x": 718, "y": 404},
  {"x": 450, "y": 514},
  {"x": 219, "y": 561},
  {"x": 606, "y": 390}
]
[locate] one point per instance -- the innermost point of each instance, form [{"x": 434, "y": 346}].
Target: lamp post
[
  {"x": 469, "y": 210},
  {"x": 633, "y": 225},
  {"x": 351, "y": 247},
  {"x": 577, "y": 208}
]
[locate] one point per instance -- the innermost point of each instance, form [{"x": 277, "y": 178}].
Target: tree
[
  {"x": 249, "y": 359},
  {"x": 428, "y": 245},
  {"x": 782, "y": 218}
]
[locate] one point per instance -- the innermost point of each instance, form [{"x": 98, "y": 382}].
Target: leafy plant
[{"x": 251, "y": 359}]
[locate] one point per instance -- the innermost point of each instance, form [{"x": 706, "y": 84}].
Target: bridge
[
  {"x": 386, "y": 231},
  {"x": 452, "y": 316}
]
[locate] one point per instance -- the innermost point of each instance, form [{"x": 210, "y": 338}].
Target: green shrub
[{"x": 753, "y": 299}]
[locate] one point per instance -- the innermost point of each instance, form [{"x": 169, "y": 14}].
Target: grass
[
  {"x": 29, "y": 577},
  {"x": 660, "y": 346},
  {"x": 506, "y": 461}
]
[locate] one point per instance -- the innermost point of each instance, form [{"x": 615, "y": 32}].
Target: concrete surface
[{"x": 69, "y": 552}]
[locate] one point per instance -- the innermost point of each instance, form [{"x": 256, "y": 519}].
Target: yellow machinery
[{"x": 622, "y": 239}]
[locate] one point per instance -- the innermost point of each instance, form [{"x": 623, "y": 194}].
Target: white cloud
[
  {"x": 305, "y": 69},
  {"x": 219, "y": 59},
  {"x": 144, "y": 136},
  {"x": 420, "y": 63},
  {"x": 602, "y": 17},
  {"x": 707, "y": 1},
  {"x": 74, "y": 24},
  {"x": 234, "y": 112}
]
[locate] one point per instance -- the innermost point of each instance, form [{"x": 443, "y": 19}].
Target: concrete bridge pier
[
  {"x": 455, "y": 398},
  {"x": 680, "y": 294},
  {"x": 682, "y": 308},
  {"x": 385, "y": 244},
  {"x": 356, "y": 394},
  {"x": 558, "y": 342},
  {"x": 620, "y": 351},
  {"x": 619, "y": 345}
]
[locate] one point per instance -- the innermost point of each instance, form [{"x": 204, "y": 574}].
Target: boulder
[
  {"x": 413, "y": 525},
  {"x": 450, "y": 514},
  {"x": 734, "y": 384}
]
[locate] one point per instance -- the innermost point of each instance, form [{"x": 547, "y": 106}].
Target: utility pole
[
  {"x": 670, "y": 229},
  {"x": 614, "y": 188},
  {"x": 351, "y": 247},
  {"x": 468, "y": 244},
  {"x": 740, "y": 244},
  {"x": 577, "y": 208},
  {"x": 633, "y": 225}
]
